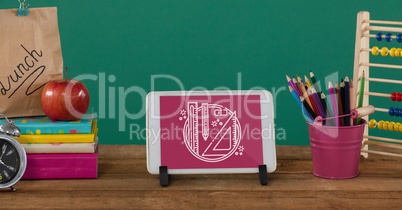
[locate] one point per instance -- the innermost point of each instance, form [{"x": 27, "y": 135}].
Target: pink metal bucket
[{"x": 335, "y": 150}]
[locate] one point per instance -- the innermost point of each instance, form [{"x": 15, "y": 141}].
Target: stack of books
[{"x": 59, "y": 149}]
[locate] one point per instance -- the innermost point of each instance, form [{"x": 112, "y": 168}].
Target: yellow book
[{"x": 86, "y": 147}]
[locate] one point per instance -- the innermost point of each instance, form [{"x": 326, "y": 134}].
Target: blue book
[{"x": 44, "y": 125}]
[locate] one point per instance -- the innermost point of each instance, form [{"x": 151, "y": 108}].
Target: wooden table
[{"x": 124, "y": 183}]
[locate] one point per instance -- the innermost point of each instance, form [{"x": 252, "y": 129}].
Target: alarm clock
[{"x": 13, "y": 159}]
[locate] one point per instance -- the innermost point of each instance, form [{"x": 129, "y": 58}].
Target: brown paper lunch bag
[{"x": 30, "y": 56}]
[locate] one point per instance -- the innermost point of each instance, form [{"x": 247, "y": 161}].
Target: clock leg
[{"x": 13, "y": 189}]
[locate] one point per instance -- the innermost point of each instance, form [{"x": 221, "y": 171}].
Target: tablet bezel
[{"x": 153, "y": 146}]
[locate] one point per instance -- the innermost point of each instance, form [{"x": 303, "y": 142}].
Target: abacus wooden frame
[{"x": 362, "y": 64}]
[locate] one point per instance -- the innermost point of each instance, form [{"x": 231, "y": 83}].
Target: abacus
[{"x": 382, "y": 33}]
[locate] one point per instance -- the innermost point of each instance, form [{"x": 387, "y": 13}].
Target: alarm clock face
[{"x": 12, "y": 161}]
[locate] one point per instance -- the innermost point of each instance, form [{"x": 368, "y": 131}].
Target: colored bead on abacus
[
  {"x": 384, "y": 51},
  {"x": 398, "y": 52},
  {"x": 399, "y": 37},
  {"x": 373, "y": 123},
  {"x": 391, "y": 111},
  {"x": 393, "y": 96},
  {"x": 380, "y": 124},
  {"x": 378, "y": 36},
  {"x": 396, "y": 96},
  {"x": 391, "y": 126},
  {"x": 398, "y": 127},
  {"x": 397, "y": 112},
  {"x": 374, "y": 51},
  {"x": 392, "y": 52},
  {"x": 386, "y": 125},
  {"x": 388, "y": 37}
]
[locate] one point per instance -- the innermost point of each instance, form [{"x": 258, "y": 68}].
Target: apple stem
[{"x": 66, "y": 77}]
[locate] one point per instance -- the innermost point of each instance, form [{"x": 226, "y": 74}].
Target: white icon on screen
[{"x": 212, "y": 132}]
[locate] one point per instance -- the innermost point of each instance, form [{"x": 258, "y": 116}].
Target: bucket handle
[{"x": 354, "y": 114}]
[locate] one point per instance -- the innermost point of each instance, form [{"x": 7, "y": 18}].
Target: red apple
[{"x": 65, "y": 99}]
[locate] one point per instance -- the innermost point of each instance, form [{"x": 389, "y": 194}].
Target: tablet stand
[
  {"x": 164, "y": 177},
  {"x": 262, "y": 174}
]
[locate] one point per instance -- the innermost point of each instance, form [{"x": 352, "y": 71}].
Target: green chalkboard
[{"x": 125, "y": 48}]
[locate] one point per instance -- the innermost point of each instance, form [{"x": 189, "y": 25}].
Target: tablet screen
[{"x": 211, "y": 131}]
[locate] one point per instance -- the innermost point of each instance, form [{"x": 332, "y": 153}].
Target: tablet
[{"x": 198, "y": 132}]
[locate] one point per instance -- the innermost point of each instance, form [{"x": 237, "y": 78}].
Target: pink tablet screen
[{"x": 218, "y": 131}]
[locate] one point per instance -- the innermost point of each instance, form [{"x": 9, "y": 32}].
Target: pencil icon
[
  {"x": 192, "y": 108},
  {"x": 205, "y": 121}
]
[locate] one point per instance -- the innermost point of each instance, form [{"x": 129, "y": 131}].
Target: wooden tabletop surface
[{"x": 124, "y": 183}]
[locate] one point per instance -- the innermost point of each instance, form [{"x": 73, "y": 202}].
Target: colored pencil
[
  {"x": 314, "y": 82},
  {"x": 327, "y": 108},
  {"x": 324, "y": 104},
  {"x": 299, "y": 79},
  {"x": 308, "y": 108},
  {"x": 304, "y": 93},
  {"x": 293, "y": 85},
  {"x": 306, "y": 115},
  {"x": 361, "y": 93},
  {"x": 340, "y": 110},
  {"x": 294, "y": 94},
  {"x": 352, "y": 98},
  {"x": 317, "y": 100},
  {"x": 313, "y": 102},
  {"x": 307, "y": 81},
  {"x": 330, "y": 112},
  {"x": 347, "y": 101},
  {"x": 339, "y": 102},
  {"x": 294, "y": 80},
  {"x": 342, "y": 93},
  {"x": 334, "y": 102}
]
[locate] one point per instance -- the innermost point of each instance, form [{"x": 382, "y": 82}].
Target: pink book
[{"x": 62, "y": 166}]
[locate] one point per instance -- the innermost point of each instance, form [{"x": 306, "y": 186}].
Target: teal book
[{"x": 44, "y": 125}]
